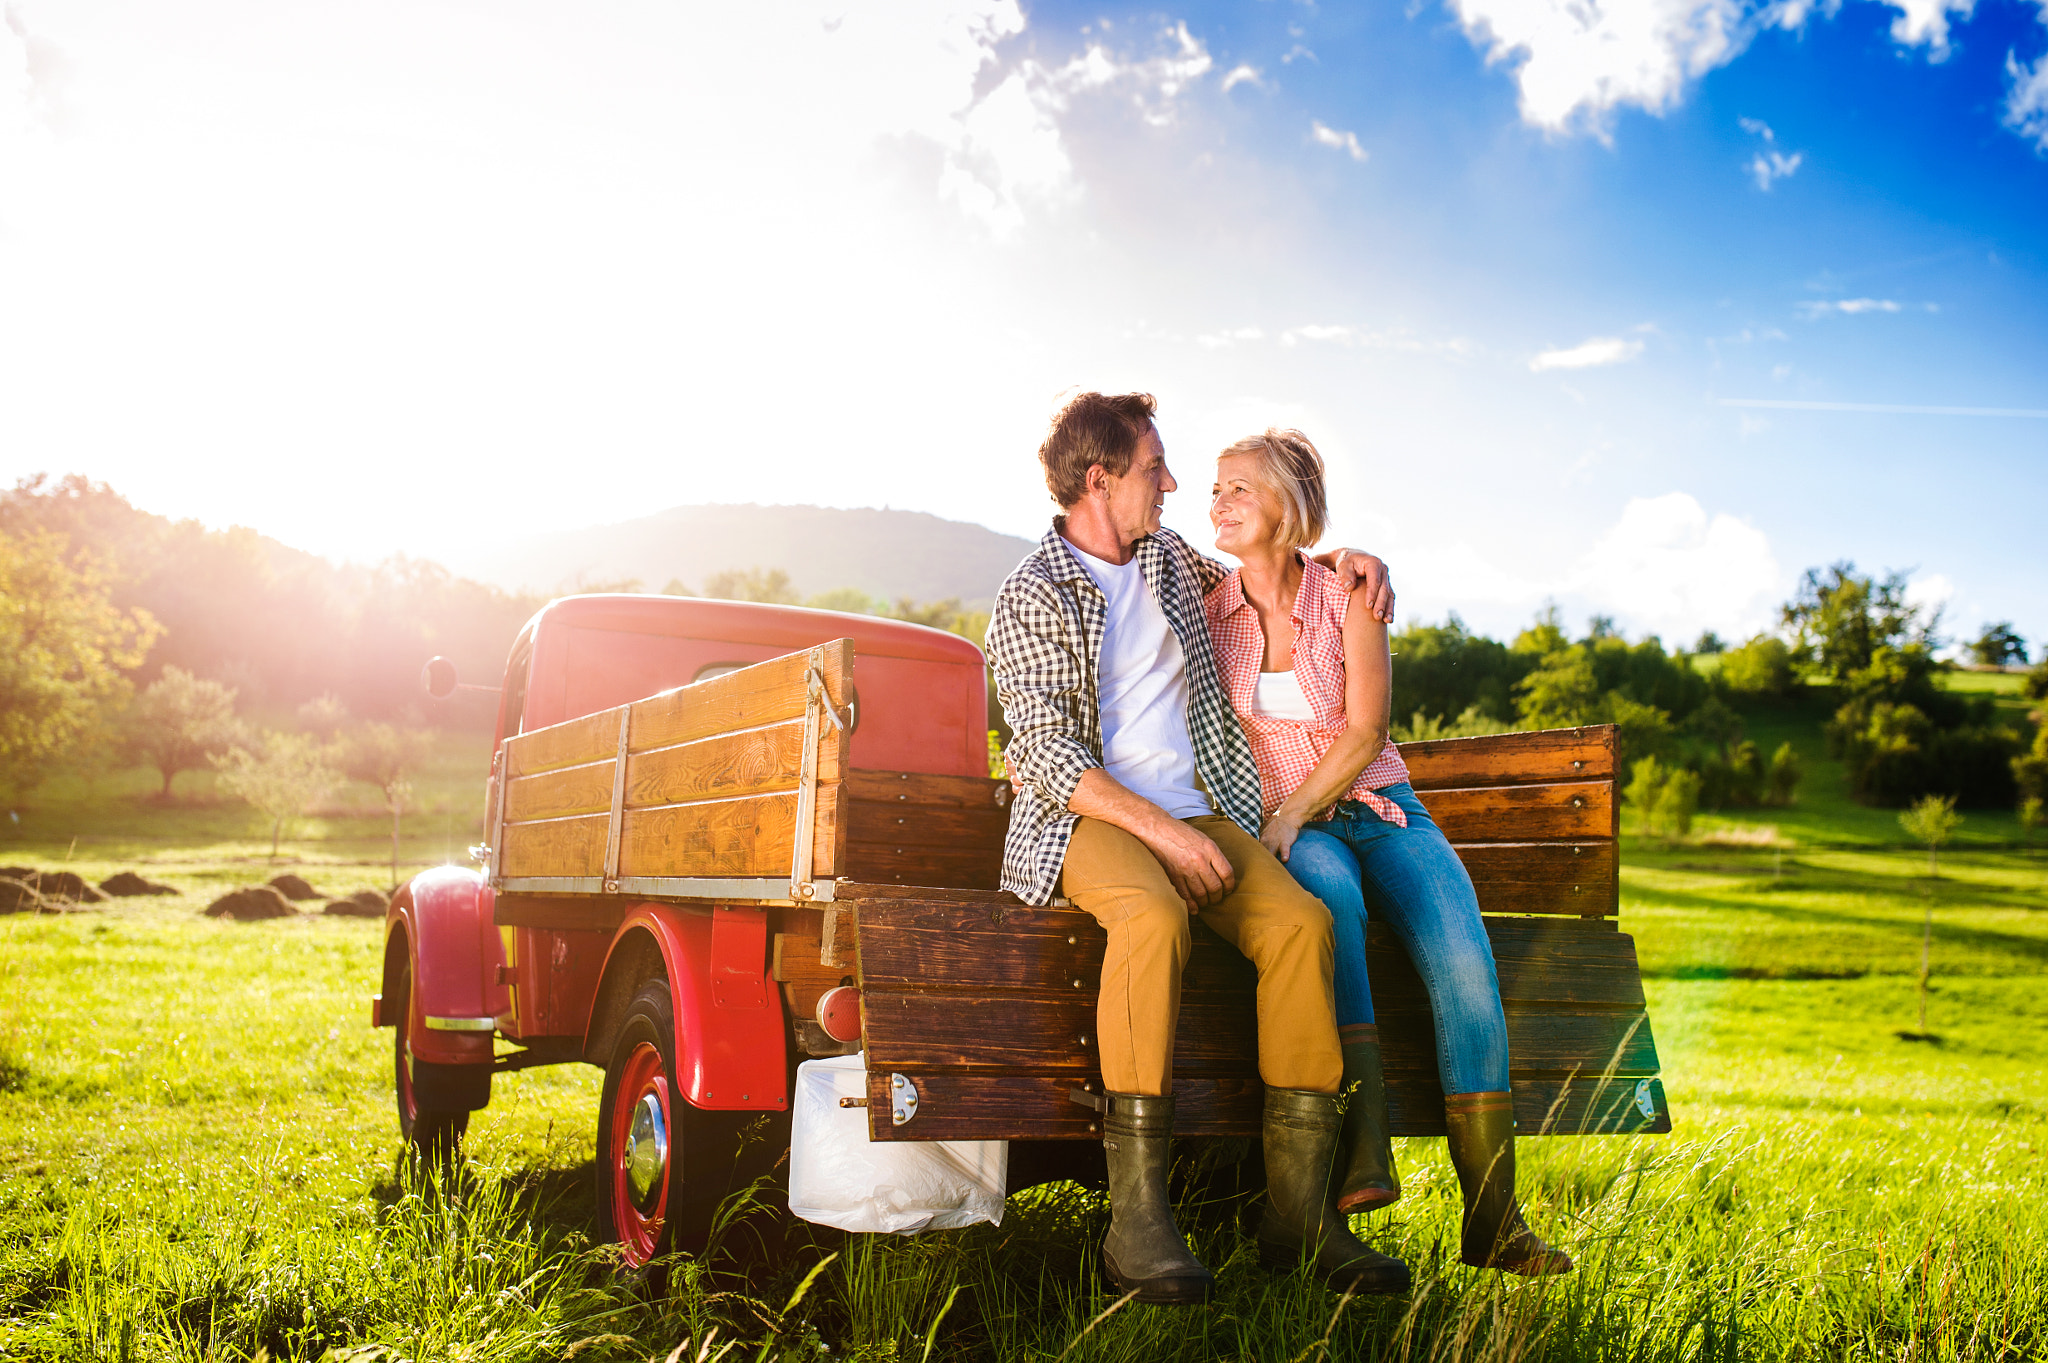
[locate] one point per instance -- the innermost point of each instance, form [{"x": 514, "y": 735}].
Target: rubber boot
[
  {"x": 1366, "y": 1146},
  {"x": 1482, "y": 1133},
  {"x": 1302, "y": 1220},
  {"x": 1144, "y": 1250}
]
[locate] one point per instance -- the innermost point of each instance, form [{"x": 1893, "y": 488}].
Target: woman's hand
[{"x": 1279, "y": 834}]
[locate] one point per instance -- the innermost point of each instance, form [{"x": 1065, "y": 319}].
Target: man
[{"x": 1139, "y": 800}]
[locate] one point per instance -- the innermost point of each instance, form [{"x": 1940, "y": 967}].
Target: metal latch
[{"x": 1646, "y": 1103}]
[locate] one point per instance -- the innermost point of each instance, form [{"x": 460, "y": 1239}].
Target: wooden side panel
[
  {"x": 996, "y": 1002},
  {"x": 555, "y": 847},
  {"x": 1580, "y": 877},
  {"x": 727, "y": 765},
  {"x": 556, "y": 794},
  {"x": 911, "y": 828},
  {"x": 1512, "y": 759},
  {"x": 752, "y": 836}
]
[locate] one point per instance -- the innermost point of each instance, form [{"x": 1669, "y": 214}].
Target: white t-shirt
[
  {"x": 1143, "y": 684},
  {"x": 1279, "y": 694}
]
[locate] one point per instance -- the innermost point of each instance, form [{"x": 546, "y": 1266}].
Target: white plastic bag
[{"x": 838, "y": 1177}]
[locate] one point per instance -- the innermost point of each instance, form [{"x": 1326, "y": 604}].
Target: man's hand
[
  {"x": 1356, "y": 570},
  {"x": 1200, "y": 873}
]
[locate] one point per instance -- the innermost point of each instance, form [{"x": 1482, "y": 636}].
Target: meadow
[{"x": 198, "y": 1157}]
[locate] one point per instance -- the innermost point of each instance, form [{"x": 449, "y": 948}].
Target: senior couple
[{"x": 1188, "y": 739}]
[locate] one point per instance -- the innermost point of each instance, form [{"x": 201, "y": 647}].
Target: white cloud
[
  {"x": 1767, "y": 166},
  {"x": 1576, "y": 61},
  {"x": 1216, "y": 339},
  {"x": 1397, "y": 339},
  {"x": 1924, "y": 23},
  {"x": 1848, "y": 307},
  {"x": 2026, "y": 104},
  {"x": 1241, "y": 75},
  {"x": 1591, "y": 354},
  {"x": 1666, "y": 566},
  {"x": 1339, "y": 141}
]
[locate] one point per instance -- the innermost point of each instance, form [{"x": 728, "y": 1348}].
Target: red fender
[
  {"x": 456, "y": 952},
  {"x": 731, "y": 1044}
]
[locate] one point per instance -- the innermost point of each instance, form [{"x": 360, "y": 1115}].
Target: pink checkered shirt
[{"x": 1287, "y": 750}]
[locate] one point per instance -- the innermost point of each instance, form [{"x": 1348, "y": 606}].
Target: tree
[
  {"x": 63, "y": 647},
  {"x": 1762, "y": 667},
  {"x": 1781, "y": 778},
  {"x": 770, "y": 585},
  {"x": 1998, "y": 645},
  {"x": 1839, "y": 620},
  {"x": 382, "y": 754},
  {"x": 2035, "y": 687},
  {"x": 1708, "y": 642},
  {"x": 179, "y": 722},
  {"x": 283, "y": 777},
  {"x": 851, "y": 600},
  {"x": 1931, "y": 820}
]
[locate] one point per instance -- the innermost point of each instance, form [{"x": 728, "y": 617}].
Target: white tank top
[{"x": 1279, "y": 694}]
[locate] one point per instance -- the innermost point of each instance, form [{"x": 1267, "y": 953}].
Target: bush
[
  {"x": 2030, "y": 771},
  {"x": 2036, "y": 684},
  {"x": 1761, "y": 668},
  {"x": 1676, "y": 803},
  {"x": 1893, "y": 755},
  {"x": 1781, "y": 781},
  {"x": 1737, "y": 779},
  {"x": 1445, "y": 670}
]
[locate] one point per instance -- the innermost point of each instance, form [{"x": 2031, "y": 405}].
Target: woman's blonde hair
[{"x": 1286, "y": 464}]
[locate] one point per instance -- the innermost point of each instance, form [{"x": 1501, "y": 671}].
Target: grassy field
[{"x": 198, "y": 1158}]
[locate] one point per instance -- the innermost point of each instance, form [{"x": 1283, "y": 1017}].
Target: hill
[{"x": 885, "y": 553}]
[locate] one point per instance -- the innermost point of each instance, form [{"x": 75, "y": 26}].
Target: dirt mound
[
  {"x": 251, "y": 903},
  {"x": 291, "y": 887},
  {"x": 125, "y": 883},
  {"x": 361, "y": 904},
  {"x": 21, "y": 896},
  {"x": 67, "y": 885}
]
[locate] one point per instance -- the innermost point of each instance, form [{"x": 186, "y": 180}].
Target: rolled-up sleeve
[{"x": 1044, "y": 690}]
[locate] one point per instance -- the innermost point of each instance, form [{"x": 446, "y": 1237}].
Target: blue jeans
[{"x": 1418, "y": 887}]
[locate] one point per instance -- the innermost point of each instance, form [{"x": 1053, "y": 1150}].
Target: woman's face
[{"x": 1245, "y": 516}]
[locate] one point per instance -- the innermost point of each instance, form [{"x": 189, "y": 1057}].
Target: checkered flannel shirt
[{"x": 1045, "y": 646}]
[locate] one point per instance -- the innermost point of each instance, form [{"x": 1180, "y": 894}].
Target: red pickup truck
[{"x": 689, "y": 882}]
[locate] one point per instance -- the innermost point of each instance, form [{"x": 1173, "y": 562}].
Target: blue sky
[{"x": 429, "y": 276}]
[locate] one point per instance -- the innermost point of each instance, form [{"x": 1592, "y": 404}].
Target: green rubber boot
[
  {"x": 1482, "y": 1135},
  {"x": 1366, "y": 1147},
  {"x": 1144, "y": 1250},
  {"x": 1302, "y": 1222}
]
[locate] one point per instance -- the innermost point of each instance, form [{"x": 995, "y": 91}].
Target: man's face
[{"x": 1136, "y": 498}]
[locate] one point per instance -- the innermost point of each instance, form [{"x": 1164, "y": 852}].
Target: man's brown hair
[{"x": 1093, "y": 428}]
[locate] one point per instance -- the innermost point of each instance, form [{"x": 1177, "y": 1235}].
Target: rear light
[{"x": 839, "y": 1013}]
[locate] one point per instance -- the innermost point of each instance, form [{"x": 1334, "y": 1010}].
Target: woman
[{"x": 1312, "y": 684}]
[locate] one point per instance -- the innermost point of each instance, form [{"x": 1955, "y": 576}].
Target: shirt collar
[{"x": 1230, "y": 597}]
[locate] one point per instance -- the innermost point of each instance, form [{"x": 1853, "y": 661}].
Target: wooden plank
[
  {"x": 979, "y": 829},
  {"x": 1044, "y": 1031},
  {"x": 954, "y": 1107},
  {"x": 725, "y": 766},
  {"x": 555, "y": 847},
  {"x": 752, "y": 836},
  {"x": 1541, "y": 756},
  {"x": 971, "y": 868},
  {"x": 592, "y": 738},
  {"x": 585, "y": 789},
  {"x": 1537, "y": 961},
  {"x": 1580, "y": 877},
  {"x": 922, "y": 788},
  {"x": 767, "y": 693},
  {"x": 1526, "y": 813}
]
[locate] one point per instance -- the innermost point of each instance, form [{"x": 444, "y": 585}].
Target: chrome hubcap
[{"x": 646, "y": 1152}]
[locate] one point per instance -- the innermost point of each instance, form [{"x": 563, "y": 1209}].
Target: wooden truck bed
[{"x": 733, "y": 790}]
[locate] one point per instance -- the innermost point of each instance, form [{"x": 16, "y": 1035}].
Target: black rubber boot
[
  {"x": 1482, "y": 1134},
  {"x": 1302, "y": 1222},
  {"x": 1144, "y": 1249},
  {"x": 1366, "y": 1147}
]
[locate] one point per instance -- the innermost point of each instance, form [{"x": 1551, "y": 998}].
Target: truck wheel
[
  {"x": 651, "y": 1144},
  {"x": 434, "y": 1135}
]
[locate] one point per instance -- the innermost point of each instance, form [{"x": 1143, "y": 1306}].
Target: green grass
[{"x": 198, "y": 1158}]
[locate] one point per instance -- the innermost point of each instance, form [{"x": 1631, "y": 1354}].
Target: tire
[
  {"x": 662, "y": 1165},
  {"x": 429, "y": 1130}
]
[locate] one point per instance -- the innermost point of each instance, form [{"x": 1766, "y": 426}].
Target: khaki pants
[{"x": 1280, "y": 927}]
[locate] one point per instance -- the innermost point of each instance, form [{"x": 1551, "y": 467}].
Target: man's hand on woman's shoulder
[{"x": 1359, "y": 571}]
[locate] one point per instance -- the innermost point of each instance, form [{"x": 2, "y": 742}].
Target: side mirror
[{"x": 438, "y": 677}]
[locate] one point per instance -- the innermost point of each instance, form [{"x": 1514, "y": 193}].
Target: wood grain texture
[
  {"x": 753, "y": 836},
  {"x": 585, "y": 789},
  {"x": 1545, "y": 755},
  {"x": 931, "y": 867},
  {"x": 555, "y": 847},
  {"x": 766, "y": 693},
  {"x": 1037, "y": 1107},
  {"x": 1524, "y": 813},
  {"x": 592, "y": 738},
  {"x": 756, "y": 762},
  {"x": 920, "y": 788},
  {"x": 1580, "y": 877},
  {"x": 964, "y": 830}
]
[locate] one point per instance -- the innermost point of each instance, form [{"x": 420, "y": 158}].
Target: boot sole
[
  {"x": 1160, "y": 1291},
  {"x": 1371, "y": 1199}
]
